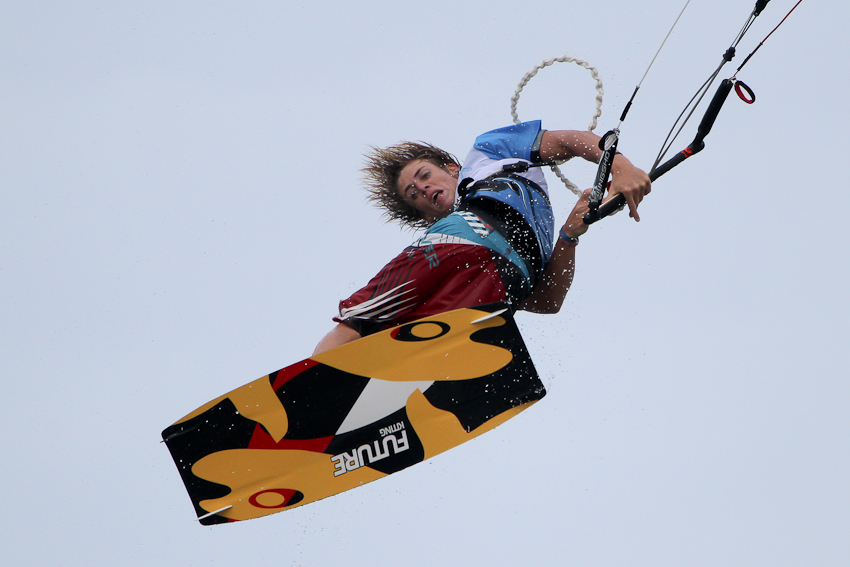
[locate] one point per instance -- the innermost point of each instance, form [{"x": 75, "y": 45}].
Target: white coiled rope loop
[{"x": 527, "y": 77}]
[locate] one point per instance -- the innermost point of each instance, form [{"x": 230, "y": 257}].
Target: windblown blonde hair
[{"x": 380, "y": 177}]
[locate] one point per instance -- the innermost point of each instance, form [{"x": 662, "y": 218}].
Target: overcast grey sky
[{"x": 180, "y": 214}]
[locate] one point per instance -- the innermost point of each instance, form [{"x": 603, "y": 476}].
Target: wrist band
[{"x": 566, "y": 238}]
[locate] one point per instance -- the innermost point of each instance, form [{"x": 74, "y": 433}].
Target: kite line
[
  {"x": 744, "y": 92},
  {"x": 608, "y": 142}
]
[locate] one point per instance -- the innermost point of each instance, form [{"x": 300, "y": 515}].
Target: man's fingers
[
  {"x": 634, "y": 198},
  {"x": 633, "y": 203}
]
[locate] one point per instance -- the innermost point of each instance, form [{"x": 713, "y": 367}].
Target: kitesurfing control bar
[
  {"x": 618, "y": 202},
  {"x": 598, "y": 211}
]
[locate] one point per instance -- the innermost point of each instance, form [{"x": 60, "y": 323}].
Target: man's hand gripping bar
[{"x": 618, "y": 202}]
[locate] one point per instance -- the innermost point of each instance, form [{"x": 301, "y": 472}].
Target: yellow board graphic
[{"x": 335, "y": 422}]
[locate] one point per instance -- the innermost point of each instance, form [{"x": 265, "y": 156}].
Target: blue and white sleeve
[
  {"x": 495, "y": 149},
  {"x": 519, "y": 141}
]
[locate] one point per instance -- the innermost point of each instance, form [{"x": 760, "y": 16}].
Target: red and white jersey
[{"x": 440, "y": 272}]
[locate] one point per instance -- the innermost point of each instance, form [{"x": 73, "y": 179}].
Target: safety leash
[{"x": 599, "y": 94}]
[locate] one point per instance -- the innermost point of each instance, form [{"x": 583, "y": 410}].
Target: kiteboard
[{"x": 353, "y": 414}]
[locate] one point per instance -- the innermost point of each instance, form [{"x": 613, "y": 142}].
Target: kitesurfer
[{"x": 490, "y": 228}]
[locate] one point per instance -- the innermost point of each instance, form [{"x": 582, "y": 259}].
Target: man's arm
[
  {"x": 337, "y": 336},
  {"x": 555, "y": 281},
  {"x": 552, "y": 287},
  {"x": 549, "y": 292},
  {"x": 632, "y": 182}
]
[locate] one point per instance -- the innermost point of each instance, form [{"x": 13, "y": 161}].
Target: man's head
[{"x": 415, "y": 183}]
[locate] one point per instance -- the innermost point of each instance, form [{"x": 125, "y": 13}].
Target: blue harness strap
[{"x": 526, "y": 198}]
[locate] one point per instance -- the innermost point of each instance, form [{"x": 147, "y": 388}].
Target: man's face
[{"x": 428, "y": 188}]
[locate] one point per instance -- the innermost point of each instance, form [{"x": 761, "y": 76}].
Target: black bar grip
[
  {"x": 671, "y": 163},
  {"x": 704, "y": 128},
  {"x": 713, "y": 110},
  {"x": 609, "y": 207}
]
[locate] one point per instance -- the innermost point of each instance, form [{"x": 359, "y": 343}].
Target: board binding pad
[{"x": 353, "y": 414}]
